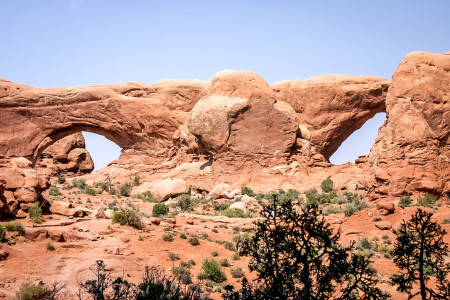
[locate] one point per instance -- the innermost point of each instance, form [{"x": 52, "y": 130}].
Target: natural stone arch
[{"x": 128, "y": 114}]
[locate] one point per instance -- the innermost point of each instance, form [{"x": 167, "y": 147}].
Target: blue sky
[{"x": 76, "y": 42}]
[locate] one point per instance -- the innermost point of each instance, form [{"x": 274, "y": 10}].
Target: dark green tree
[
  {"x": 297, "y": 256},
  {"x": 420, "y": 253}
]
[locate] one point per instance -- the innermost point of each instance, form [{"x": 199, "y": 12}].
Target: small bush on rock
[
  {"x": 405, "y": 200},
  {"x": 32, "y": 291},
  {"x": 128, "y": 215},
  {"x": 160, "y": 209},
  {"x": 213, "y": 271},
  {"x": 428, "y": 201},
  {"x": 247, "y": 191},
  {"x": 35, "y": 213}
]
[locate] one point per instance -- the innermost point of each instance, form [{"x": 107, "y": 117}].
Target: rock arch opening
[
  {"x": 101, "y": 149},
  {"x": 359, "y": 142}
]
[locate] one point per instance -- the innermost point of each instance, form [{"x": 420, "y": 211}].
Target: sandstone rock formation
[
  {"x": 331, "y": 107},
  {"x": 67, "y": 156},
  {"x": 412, "y": 150},
  {"x": 238, "y": 130},
  {"x": 239, "y": 113}
]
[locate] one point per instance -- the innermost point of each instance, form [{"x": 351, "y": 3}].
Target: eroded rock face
[
  {"x": 412, "y": 150},
  {"x": 67, "y": 157},
  {"x": 332, "y": 107},
  {"x": 239, "y": 113}
]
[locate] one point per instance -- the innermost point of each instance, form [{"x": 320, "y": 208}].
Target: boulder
[
  {"x": 26, "y": 195},
  {"x": 167, "y": 188},
  {"x": 239, "y": 113},
  {"x": 222, "y": 190},
  {"x": 383, "y": 225},
  {"x": 385, "y": 208}
]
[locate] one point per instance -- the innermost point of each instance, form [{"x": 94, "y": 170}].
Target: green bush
[
  {"x": 35, "y": 213},
  {"x": 32, "y": 291},
  {"x": 136, "y": 181},
  {"x": 331, "y": 210},
  {"x": 349, "y": 210},
  {"x": 219, "y": 206},
  {"x": 405, "y": 200},
  {"x": 50, "y": 247},
  {"x": 236, "y": 213},
  {"x": 237, "y": 272},
  {"x": 213, "y": 271},
  {"x": 61, "y": 179},
  {"x": 167, "y": 237},
  {"x": 160, "y": 209},
  {"x": 128, "y": 215},
  {"x": 146, "y": 196},
  {"x": 125, "y": 189},
  {"x": 54, "y": 191},
  {"x": 327, "y": 186},
  {"x": 224, "y": 262},
  {"x": 194, "y": 241},
  {"x": 14, "y": 226},
  {"x": 364, "y": 243},
  {"x": 184, "y": 202},
  {"x": 428, "y": 201},
  {"x": 173, "y": 256},
  {"x": 2, "y": 234},
  {"x": 247, "y": 191},
  {"x": 79, "y": 183},
  {"x": 183, "y": 274}
]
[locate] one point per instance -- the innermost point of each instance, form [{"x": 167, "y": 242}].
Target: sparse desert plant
[
  {"x": 167, "y": 237},
  {"x": 213, "y": 271},
  {"x": 224, "y": 262},
  {"x": 54, "y": 191},
  {"x": 247, "y": 191},
  {"x": 173, "y": 256},
  {"x": 194, "y": 241},
  {"x": 160, "y": 209},
  {"x": 184, "y": 202},
  {"x": 15, "y": 226},
  {"x": 183, "y": 236},
  {"x": 214, "y": 253},
  {"x": 446, "y": 221},
  {"x": 215, "y": 230},
  {"x": 61, "y": 179},
  {"x": 183, "y": 274},
  {"x": 237, "y": 272},
  {"x": 136, "y": 181},
  {"x": 128, "y": 215},
  {"x": 35, "y": 213},
  {"x": 349, "y": 210},
  {"x": 50, "y": 247},
  {"x": 377, "y": 219},
  {"x": 331, "y": 210},
  {"x": 146, "y": 196},
  {"x": 219, "y": 206},
  {"x": 405, "y": 200},
  {"x": 236, "y": 213},
  {"x": 327, "y": 186},
  {"x": 32, "y": 291},
  {"x": 125, "y": 189},
  {"x": 2, "y": 234},
  {"x": 364, "y": 243},
  {"x": 428, "y": 200}
]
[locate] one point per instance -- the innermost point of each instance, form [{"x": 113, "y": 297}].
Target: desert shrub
[
  {"x": 54, "y": 191},
  {"x": 214, "y": 253},
  {"x": 32, "y": 291},
  {"x": 183, "y": 274},
  {"x": 236, "y": 256},
  {"x": 146, "y": 196},
  {"x": 405, "y": 200},
  {"x": 61, "y": 179},
  {"x": 349, "y": 210},
  {"x": 377, "y": 219},
  {"x": 160, "y": 209},
  {"x": 184, "y": 202},
  {"x": 242, "y": 238},
  {"x": 364, "y": 243},
  {"x": 103, "y": 287},
  {"x": 194, "y": 241},
  {"x": 219, "y": 206},
  {"x": 79, "y": 183},
  {"x": 136, "y": 181},
  {"x": 428, "y": 201},
  {"x": 102, "y": 186},
  {"x": 215, "y": 230},
  {"x": 125, "y": 189},
  {"x": 35, "y": 213},
  {"x": 183, "y": 236},
  {"x": 167, "y": 237},
  {"x": 331, "y": 210},
  {"x": 128, "y": 215},
  {"x": 446, "y": 221},
  {"x": 2, "y": 234},
  {"x": 247, "y": 191},
  {"x": 327, "y": 186},
  {"x": 224, "y": 262},
  {"x": 236, "y": 213},
  {"x": 173, "y": 256},
  {"x": 15, "y": 226},
  {"x": 237, "y": 272},
  {"x": 155, "y": 285},
  {"x": 50, "y": 247},
  {"x": 213, "y": 271}
]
